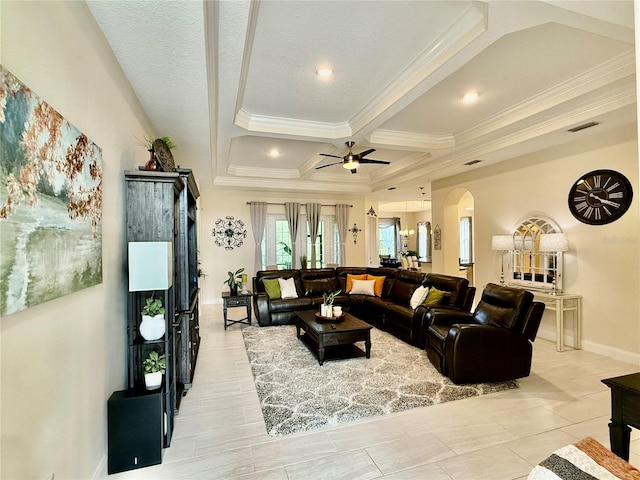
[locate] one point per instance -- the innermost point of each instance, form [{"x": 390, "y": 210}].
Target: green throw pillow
[
  {"x": 434, "y": 297},
  {"x": 272, "y": 287}
]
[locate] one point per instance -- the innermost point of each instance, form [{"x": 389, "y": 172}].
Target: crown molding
[
  {"x": 290, "y": 126},
  {"x": 421, "y": 141},
  {"x": 262, "y": 172},
  {"x": 299, "y": 185},
  {"x": 617, "y": 68}
]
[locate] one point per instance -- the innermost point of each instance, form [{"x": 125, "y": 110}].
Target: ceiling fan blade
[
  {"x": 328, "y": 165},
  {"x": 366, "y": 152},
  {"x": 381, "y": 162},
  {"x": 327, "y": 155}
]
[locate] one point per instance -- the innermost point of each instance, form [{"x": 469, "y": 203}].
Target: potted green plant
[
  {"x": 154, "y": 367},
  {"x": 232, "y": 281},
  {"x": 326, "y": 309},
  {"x": 153, "y": 324}
]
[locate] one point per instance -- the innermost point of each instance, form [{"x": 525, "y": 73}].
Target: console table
[
  {"x": 625, "y": 411},
  {"x": 562, "y": 303},
  {"x": 239, "y": 300}
]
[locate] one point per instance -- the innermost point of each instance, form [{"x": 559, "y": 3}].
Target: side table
[
  {"x": 239, "y": 300},
  {"x": 562, "y": 303},
  {"x": 625, "y": 411}
]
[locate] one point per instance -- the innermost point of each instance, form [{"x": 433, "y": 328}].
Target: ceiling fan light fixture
[{"x": 351, "y": 164}]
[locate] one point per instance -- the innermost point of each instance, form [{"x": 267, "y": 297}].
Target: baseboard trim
[{"x": 600, "y": 349}]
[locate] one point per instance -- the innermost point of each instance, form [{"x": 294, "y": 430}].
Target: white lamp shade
[
  {"x": 502, "y": 242},
  {"x": 554, "y": 242},
  {"x": 150, "y": 266}
]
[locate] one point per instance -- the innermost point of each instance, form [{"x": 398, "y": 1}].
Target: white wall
[
  {"x": 61, "y": 360},
  {"x": 603, "y": 262},
  {"x": 219, "y": 202}
]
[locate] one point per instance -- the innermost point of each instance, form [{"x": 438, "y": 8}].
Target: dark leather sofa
[
  {"x": 390, "y": 312},
  {"x": 492, "y": 344}
]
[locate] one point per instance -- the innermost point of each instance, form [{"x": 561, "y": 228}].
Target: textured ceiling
[{"x": 231, "y": 81}]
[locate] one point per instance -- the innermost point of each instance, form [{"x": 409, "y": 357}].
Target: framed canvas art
[{"x": 50, "y": 201}]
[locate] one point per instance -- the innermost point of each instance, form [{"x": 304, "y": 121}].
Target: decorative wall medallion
[{"x": 229, "y": 233}]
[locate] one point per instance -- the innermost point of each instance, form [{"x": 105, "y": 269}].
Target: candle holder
[{"x": 244, "y": 283}]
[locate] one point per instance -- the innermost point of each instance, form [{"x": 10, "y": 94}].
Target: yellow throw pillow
[
  {"x": 377, "y": 287},
  {"x": 351, "y": 278},
  {"x": 434, "y": 297}
]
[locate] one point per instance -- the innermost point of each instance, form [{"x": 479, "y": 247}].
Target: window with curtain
[
  {"x": 466, "y": 253},
  {"x": 276, "y": 245},
  {"x": 388, "y": 229},
  {"x": 424, "y": 241}
]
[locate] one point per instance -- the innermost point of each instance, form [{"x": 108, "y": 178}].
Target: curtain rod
[{"x": 303, "y": 204}]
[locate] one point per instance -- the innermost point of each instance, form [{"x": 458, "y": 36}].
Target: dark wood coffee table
[{"x": 334, "y": 340}]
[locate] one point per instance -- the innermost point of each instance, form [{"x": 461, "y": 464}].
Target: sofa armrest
[
  {"x": 421, "y": 320},
  {"x": 446, "y": 316},
  {"x": 261, "y": 309}
]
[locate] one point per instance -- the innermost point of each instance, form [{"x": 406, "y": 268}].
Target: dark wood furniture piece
[
  {"x": 161, "y": 207},
  {"x": 239, "y": 300},
  {"x": 134, "y": 427},
  {"x": 625, "y": 411},
  {"x": 329, "y": 340}
]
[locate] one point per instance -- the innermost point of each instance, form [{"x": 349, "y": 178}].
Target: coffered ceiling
[{"x": 233, "y": 81}]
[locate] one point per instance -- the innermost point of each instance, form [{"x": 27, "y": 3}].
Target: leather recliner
[{"x": 492, "y": 344}]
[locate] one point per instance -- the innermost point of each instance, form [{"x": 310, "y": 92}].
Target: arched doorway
[{"x": 457, "y": 234}]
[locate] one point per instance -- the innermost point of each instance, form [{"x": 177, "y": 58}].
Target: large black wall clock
[{"x": 600, "y": 197}]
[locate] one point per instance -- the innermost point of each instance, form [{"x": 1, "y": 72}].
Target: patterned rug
[{"x": 297, "y": 394}]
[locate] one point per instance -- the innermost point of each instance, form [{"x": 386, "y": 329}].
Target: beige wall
[
  {"x": 61, "y": 360},
  {"x": 219, "y": 202},
  {"x": 603, "y": 261}
]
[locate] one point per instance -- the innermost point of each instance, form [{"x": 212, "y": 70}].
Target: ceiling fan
[{"x": 351, "y": 161}]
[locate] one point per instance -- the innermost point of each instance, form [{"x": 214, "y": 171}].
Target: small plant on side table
[{"x": 232, "y": 281}]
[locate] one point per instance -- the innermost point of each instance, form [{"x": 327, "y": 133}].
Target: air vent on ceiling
[
  {"x": 473, "y": 162},
  {"x": 390, "y": 188},
  {"x": 583, "y": 126}
]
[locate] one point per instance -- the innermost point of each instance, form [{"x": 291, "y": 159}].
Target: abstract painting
[{"x": 50, "y": 202}]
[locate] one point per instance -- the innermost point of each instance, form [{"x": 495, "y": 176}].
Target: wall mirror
[{"x": 533, "y": 265}]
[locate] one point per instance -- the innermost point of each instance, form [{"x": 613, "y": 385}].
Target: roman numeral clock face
[{"x": 600, "y": 197}]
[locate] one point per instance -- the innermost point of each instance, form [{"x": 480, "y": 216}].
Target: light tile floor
[{"x": 220, "y": 434}]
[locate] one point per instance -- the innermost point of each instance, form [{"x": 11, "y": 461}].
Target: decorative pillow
[
  {"x": 288, "y": 288},
  {"x": 272, "y": 287},
  {"x": 350, "y": 278},
  {"x": 363, "y": 287},
  {"x": 434, "y": 297},
  {"x": 419, "y": 296},
  {"x": 377, "y": 287}
]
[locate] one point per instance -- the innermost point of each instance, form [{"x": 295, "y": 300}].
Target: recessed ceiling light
[
  {"x": 274, "y": 153},
  {"x": 324, "y": 71},
  {"x": 470, "y": 97}
]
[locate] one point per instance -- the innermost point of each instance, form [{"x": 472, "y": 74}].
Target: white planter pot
[
  {"x": 153, "y": 380},
  {"x": 326, "y": 310},
  {"x": 152, "y": 328}
]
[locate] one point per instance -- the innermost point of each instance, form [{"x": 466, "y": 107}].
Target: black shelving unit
[{"x": 161, "y": 207}]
